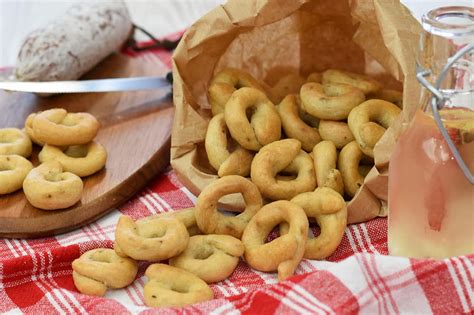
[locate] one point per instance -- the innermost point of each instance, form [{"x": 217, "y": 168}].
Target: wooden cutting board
[{"x": 136, "y": 131}]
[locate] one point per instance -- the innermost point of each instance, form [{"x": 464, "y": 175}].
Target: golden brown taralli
[
  {"x": 14, "y": 141},
  {"x": 60, "y": 128},
  {"x": 211, "y": 257},
  {"x": 283, "y": 253},
  {"x": 332, "y": 101},
  {"x": 49, "y": 187},
  {"x": 171, "y": 287},
  {"x": 208, "y": 218},
  {"x": 225, "y": 162},
  {"x": 153, "y": 239},
  {"x": 294, "y": 126},
  {"x": 368, "y": 122},
  {"x": 82, "y": 160},
  {"x": 101, "y": 268},
  {"x": 264, "y": 126},
  {"x": 13, "y": 171},
  {"x": 330, "y": 211},
  {"x": 227, "y": 82},
  {"x": 283, "y": 156},
  {"x": 325, "y": 160}
]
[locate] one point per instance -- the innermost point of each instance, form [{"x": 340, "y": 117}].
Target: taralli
[
  {"x": 186, "y": 216},
  {"x": 211, "y": 257},
  {"x": 227, "y": 82},
  {"x": 315, "y": 77},
  {"x": 283, "y": 253},
  {"x": 48, "y": 187},
  {"x": 325, "y": 161},
  {"x": 13, "y": 170},
  {"x": 169, "y": 286},
  {"x": 82, "y": 160},
  {"x": 294, "y": 126},
  {"x": 58, "y": 127},
  {"x": 337, "y": 132},
  {"x": 330, "y": 101},
  {"x": 330, "y": 211},
  {"x": 392, "y": 96},
  {"x": 101, "y": 268},
  {"x": 236, "y": 162},
  {"x": 283, "y": 156},
  {"x": 29, "y": 129},
  {"x": 208, "y": 218},
  {"x": 14, "y": 141},
  {"x": 368, "y": 122},
  {"x": 153, "y": 239},
  {"x": 348, "y": 165},
  {"x": 264, "y": 126},
  {"x": 289, "y": 84},
  {"x": 364, "y": 83}
]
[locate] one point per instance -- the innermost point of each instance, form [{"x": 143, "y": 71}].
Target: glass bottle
[{"x": 431, "y": 183}]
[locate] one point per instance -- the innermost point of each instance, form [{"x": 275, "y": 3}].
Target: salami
[{"x": 74, "y": 43}]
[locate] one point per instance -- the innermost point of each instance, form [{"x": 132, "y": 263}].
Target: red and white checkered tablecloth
[{"x": 36, "y": 275}]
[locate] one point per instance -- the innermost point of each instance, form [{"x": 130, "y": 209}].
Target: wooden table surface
[{"x": 160, "y": 17}]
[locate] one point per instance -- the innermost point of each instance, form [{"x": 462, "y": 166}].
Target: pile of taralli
[
  {"x": 303, "y": 158},
  {"x": 68, "y": 153}
]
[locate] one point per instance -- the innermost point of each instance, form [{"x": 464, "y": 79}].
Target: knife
[{"x": 89, "y": 86}]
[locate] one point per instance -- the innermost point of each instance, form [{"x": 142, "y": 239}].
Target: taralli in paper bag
[{"x": 342, "y": 37}]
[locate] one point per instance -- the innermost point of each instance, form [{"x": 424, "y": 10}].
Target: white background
[{"x": 160, "y": 17}]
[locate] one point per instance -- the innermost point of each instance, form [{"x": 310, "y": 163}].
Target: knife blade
[{"x": 88, "y": 86}]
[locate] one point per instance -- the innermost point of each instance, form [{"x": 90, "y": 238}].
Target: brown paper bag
[{"x": 270, "y": 38}]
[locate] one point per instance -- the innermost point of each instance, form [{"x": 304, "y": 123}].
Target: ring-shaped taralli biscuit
[
  {"x": 294, "y": 126},
  {"x": 289, "y": 84},
  {"x": 330, "y": 211},
  {"x": 211, "y": 257},
  {"x": 169, "y": 286},
  {"x": 227, "y": 82},
  {"x": 186, "y": 216},
  {"x": 101, "y": 268},
  {"x": 153, "y": 239},
  {"x": 13, "y": 170},
  {"x": 330, "y": 101},
  {"x": 283, "y": 156},
  {"x": 348, "y": 165},
  {"x": 337, "y": 132},
  {"x": 264, "y": 126},
  {"x": 236, "y": 162},
  {"x": 29, "y": 129},
  {"x": 82, "y": 160},
  {"x": 48, "y": 187},
  {"x": 364, "y": 83},
  {"x": 283, "y": 253},
  {"x": 14, "y": 141},
  {"x": 325, "y": 161},
  {"x": 368, "y": 122},
  {"x": 208, "y": 218},
  {"x": 58, "y": 127}
]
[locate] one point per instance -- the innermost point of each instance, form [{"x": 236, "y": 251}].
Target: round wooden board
[{"x": 136, "y": 131}]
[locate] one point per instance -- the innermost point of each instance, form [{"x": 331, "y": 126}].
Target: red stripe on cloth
[
  {"x": 437, "y": 283},
  {"x": 329, "y": 291}
]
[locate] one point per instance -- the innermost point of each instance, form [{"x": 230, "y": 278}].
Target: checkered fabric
[{"x": 36, "y": 275}]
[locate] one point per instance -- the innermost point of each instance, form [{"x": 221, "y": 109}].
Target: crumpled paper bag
[{"x": 270, "y": 38}]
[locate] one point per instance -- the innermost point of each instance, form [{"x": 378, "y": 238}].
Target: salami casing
[{"x": 74, "y": 43}]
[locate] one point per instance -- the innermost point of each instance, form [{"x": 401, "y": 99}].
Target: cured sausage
[{"x": 74, "y": 43}]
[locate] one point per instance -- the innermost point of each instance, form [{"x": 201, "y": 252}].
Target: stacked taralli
[
  {"x": 69, "y": 152},
  {"x": 331, "y": 130}
]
